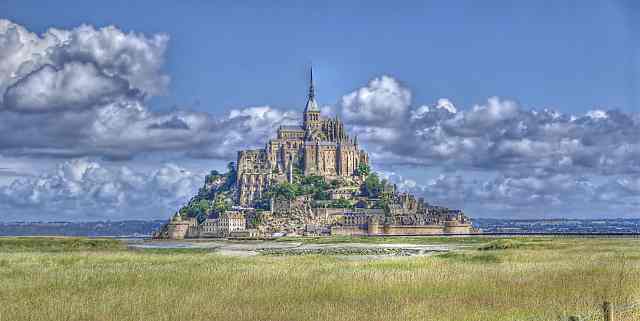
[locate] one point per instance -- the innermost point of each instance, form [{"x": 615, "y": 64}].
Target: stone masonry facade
[{"x": 320, "y": 146}]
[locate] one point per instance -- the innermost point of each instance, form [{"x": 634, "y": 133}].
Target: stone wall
[
  {"x": 348, "y": 230},
  {"x": 413, "y": 229},
  {"x": 454, "y": 227},
  {"x": 328, "y": 211},
  {"x": 177, "y": 230},
  {"x": 390, "y": 230}
]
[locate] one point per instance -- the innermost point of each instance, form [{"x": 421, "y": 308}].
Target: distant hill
[
  {"x": 610, "y": 225},
  {"x": 91, "y": 229}
]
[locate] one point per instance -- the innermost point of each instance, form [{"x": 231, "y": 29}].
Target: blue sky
[
  {"x": 569, "y": 55},
  {"x": 503, "y": 109}
]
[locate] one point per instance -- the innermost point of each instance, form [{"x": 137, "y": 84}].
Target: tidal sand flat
[{"x": 285, "y": 248}]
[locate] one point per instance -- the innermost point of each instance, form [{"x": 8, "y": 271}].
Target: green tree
[
  {"x": 212, "y": 176},
  {"x": 298, "y": 175},
  {"x": 314, "y": 180},
  {"x": 321, "y": 195},
  {"x": 363, "y": 170},
  {"x": 283, "y": 190},
  {"x": 221, "y": 204},
  {"x": 341, "y": 203},
  {"x": 314, "y": 185},
  {"x": 203, "y": 206},
  {"x": 372, "y": 186},
  {"x": 231, "y": 174},
  {"x": 192, "y": 210}
]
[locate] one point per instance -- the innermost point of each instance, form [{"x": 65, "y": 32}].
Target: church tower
[{"x": 311, "y": 110}]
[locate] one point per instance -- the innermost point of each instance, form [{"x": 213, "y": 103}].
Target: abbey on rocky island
[
  {"x": 311, "y": 179},
  {"x": 320, "y": 146}
]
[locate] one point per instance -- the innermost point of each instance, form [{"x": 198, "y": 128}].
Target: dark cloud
[
  {"x": 173, "y": 123},
  {"x": 74, "y": 86}
]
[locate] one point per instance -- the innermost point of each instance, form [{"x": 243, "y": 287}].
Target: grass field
[{"x": 79, "y": 279}]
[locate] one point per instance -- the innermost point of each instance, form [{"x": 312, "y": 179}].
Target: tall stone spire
[
  {"x": 312, "y": 105},
  {"x": 312, "y": 91}
]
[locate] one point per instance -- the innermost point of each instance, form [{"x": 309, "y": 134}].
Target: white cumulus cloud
[
  {"x": 82, "y": 189},
  {"x": 382, "y": 101}
]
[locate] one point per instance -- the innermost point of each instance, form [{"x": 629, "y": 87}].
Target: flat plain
[{"x": 483, "y": 279}]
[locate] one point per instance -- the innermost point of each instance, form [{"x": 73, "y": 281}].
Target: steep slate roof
[{"x": 292, "y": 128}]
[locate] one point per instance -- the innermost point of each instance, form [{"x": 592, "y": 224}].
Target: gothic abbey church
[{"x": 321, "y": 146}]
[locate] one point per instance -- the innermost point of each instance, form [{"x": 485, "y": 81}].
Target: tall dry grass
[{"x": 544, "y": 279}]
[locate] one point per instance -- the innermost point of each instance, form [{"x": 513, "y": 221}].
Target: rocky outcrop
[{"x": 295, "y": 217}]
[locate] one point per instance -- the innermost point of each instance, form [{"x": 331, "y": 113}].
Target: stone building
[
  {"x": 224, "y": 225},
  {"x": 320, "y": 146}
]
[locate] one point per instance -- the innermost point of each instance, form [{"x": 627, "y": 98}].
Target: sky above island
[{"x": 117, "y": 109}]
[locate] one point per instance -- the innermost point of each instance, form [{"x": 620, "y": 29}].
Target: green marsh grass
[
  {"x": 558, "y": 278},
  {"x": 58, "y": 244}
]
